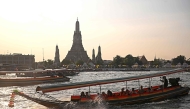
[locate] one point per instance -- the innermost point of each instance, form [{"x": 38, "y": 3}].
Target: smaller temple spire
[
  {"x": 155, "y": 57},
  {"x": 93, "y": 56},
  {"x": 56, "y": 58},
  {"x": 99, "y": 56},
  {"x": 99, "y": 49}
]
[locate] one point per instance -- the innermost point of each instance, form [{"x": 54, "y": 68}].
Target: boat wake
[
  {"x": 98, "y": 103},
  {"x": 69, "y": 105}
]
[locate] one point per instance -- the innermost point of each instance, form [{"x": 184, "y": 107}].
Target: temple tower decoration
[
  {"x": 77, "y": 51},
  {"x": 99, "y": 56},
  {"x": 93, "y": 56},
  {"x": 56, "y": 58}
]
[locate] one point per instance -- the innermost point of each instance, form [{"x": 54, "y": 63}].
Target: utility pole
[{"x": 43, "y": 54}]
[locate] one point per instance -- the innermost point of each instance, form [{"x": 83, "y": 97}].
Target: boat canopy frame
[{"x": 61, "y": 86}]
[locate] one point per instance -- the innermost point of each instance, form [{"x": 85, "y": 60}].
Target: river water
[{"x": 22, "y": 103}]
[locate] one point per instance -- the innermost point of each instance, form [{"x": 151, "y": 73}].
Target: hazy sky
[{"x": 120, "y": 27}]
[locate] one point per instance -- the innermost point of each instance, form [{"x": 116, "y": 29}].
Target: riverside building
[{"x": 18, "y": 59}]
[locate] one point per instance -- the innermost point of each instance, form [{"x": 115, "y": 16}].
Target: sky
[{"x": 152, "y": 28}]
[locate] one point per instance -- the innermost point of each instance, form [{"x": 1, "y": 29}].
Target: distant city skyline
[{"x": 121, "y": 27}]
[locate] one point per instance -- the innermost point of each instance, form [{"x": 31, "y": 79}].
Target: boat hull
[{"x": 152, "y": 97}]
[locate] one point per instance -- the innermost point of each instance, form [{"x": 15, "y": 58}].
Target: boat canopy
[{"x": 57, "y": 87}]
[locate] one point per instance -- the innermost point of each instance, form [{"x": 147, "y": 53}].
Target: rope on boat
[{"x": 11, "y": 101}]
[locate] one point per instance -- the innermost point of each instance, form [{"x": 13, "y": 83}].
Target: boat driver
[{"x": 164, "y": 79}]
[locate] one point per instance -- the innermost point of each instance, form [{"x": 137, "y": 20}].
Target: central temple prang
[{"x": 77, "y": 51}]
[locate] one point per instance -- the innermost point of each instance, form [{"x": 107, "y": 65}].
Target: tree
[
  {"x": 117, "y": 61},
  {"x": 129, "y": 60},
  {"x": 178, "y": 59},
  {"x": 48, "y": 63},
  {"x": 157, "y": 62},
  {"x": 188, "y": 61}
]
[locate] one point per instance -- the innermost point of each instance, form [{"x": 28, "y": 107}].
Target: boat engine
[{"x": 174, "y": 81}]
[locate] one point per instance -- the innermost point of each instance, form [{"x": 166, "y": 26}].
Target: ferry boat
[{"x": 149, "y": 94}]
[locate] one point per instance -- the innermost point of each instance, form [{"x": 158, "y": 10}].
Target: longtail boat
[
  {"x": 31, "y": 81},
  {"x": 149, "y": 94},
  {"x": 40, "y": 73},
  {"x": 2, "y": 73},
  {"x": 60, "y": 72}
]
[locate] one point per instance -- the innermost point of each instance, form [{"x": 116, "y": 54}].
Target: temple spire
[
  {"x": 77, "y": 51},
  {"x": 77, "y": 26}
]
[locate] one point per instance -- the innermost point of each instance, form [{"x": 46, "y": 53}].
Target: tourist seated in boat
[
  {"x": 174, "y": 81},
  {"x": 165, "y": 81},
  {"x": 82, "y": 94},
  {"x": 109, "y": 93},
  {"x": 133, "y": 91},
  {"x": 150, "y": 89},
  {"x": 127, "y": 92},
  {"x": 141, "y": 90},
  {"x": 122, "y": 92},
  {"x": 104, "y": 94},
  {"x": 87, "y": 95}
]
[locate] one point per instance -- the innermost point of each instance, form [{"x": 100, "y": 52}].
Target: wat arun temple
[{"x": 77, "y": 51}]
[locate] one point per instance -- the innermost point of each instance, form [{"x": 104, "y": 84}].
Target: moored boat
[
  {"x": 149, "y": 94},
  {"x": 40, "y": 73},
  {"x": 30, "y": 78},
  {"x": 2, "y": 73},
  {"x": 31, "y": 81}
]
